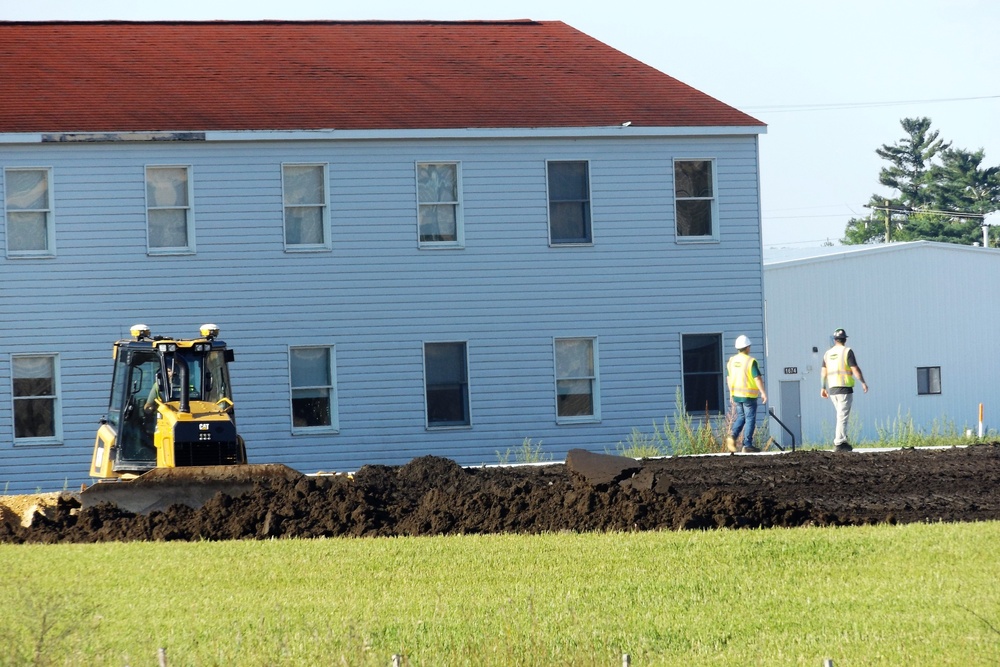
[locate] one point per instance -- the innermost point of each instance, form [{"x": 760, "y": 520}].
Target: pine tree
[{"x": 928, "y": 175}]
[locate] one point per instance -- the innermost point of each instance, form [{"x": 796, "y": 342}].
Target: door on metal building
[{"x": 790, "y": 412}]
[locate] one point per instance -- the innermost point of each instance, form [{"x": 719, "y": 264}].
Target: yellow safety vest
[
  {"x": 742, "y": 384},
  {"x": 838, "y": 374}
]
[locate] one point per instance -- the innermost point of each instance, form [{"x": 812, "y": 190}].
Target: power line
[{"x": 833, "y": 106}]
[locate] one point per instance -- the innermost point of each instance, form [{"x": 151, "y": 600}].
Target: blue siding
[{"x": 376, "y": 296}]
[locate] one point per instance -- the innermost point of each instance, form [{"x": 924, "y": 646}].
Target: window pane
[
  {"x": 34, "y": 368},
  {"x": 438, "y": 222},
  {"x": 575, "y": 398},
  {"x": 437, "y": 183},
  {"x": 310, "y": 367},
  {"x": 304, "y": 185},
  {"x": 27, "y": 190},
  {"x": 935, "y": 380},
  {"x": 166, "y": 186},
  {"x": 445, "y": 363},
  {"x": 694, "y": 218},
  {"x": 168, "y": 228},
  {"x": 568, "y": 181},
  {"x": 693, "y": 178},
  {"x": 574, "y": 358},
  {"x": 447, "y": 384},
  {"x": 34, "y": 418},
  {"x": 27, "y": 231},
  {"x": 570, "y": 221},
  {"x": 311, "y": 407},
  {"x": 303, "y": 225}
]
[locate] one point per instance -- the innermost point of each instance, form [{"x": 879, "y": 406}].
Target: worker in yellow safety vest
[
  {"x": 840, "y": 369},
  {"x": 746, "y": 385}
]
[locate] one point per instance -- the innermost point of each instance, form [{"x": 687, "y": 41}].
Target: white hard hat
[{"x": 742, "y": 342}]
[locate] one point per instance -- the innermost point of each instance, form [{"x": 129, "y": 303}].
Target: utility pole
[{"x": 888, "y": 222}]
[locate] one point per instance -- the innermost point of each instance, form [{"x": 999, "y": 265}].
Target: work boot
[
  {"x": 730, "y": 443},
  {"x": 843, "y": 447},
  {"x": 750, "y": 449}
]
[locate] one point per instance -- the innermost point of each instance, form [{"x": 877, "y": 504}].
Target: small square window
[
  {"x": 169, "y": 219},
  {"x": 928, "y": 380},
  {"x": 439, "y": 205},
  {"x": 694, "y": 198},
  {"x": 307, "y": 220},
  {"x": 569, "y": 203},
  {"x": 28, "y": 209}
]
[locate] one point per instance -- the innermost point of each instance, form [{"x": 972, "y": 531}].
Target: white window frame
[
  {"x": 327, "y": 244},
  {"x": 50, "y": 231},
  {"x": 57, "y": 437},
  {"x": 189, "y": 249},
  {"x": 459, "y": 241},
  {"x": 713, "y": 199},
  {"x": 452, "y": 426},
  {"x": 331, "y": 358},
  {"x": 594, "y": 379},
  {"x": 590, "y": 205}
]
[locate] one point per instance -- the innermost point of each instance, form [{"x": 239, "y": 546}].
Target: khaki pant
[{"x": 842, "y": 404}]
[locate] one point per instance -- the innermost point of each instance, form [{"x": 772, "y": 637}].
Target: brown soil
[{"x": 590, "y": 492}]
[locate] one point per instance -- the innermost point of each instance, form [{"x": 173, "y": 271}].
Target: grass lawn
[{"x": 918, "y": 594}]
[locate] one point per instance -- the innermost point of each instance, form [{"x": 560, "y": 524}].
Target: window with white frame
[
  {"x": 577, "y": 388},
  {"x": 307, "y": 217},
  {"x": 703, "y": 374},
  {"x": 28, "y": 209},
  {"x": 169, "y": 218},
  {"x": 694, "y": 199},
  {"x": 446, "y": 384},
  {"x": 36, "y": 398},
  {"x": 569, "y": 202},
  {"x": 439, "y": 205},
  {"x": 928, "y": 380},
  {"x": 313, "y": 383}
]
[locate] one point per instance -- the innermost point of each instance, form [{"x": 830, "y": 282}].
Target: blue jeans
[{"x": 746, "y": 419}]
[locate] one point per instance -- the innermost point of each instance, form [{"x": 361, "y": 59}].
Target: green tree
[{"x": 929, "y": 178}]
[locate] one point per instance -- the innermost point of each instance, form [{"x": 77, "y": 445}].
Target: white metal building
[{"x": 921, "y": 318}]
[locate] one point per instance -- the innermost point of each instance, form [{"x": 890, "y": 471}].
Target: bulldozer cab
[{"x": 162, "y": 391}]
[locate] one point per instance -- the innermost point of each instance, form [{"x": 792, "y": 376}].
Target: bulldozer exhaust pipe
[{"x": 183, "y": 377}]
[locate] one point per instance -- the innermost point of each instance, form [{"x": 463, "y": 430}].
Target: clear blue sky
[{"x": 831, "y": 80}]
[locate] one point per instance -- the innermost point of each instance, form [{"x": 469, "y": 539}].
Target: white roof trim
[
  {"x": 855, "y": 250},
  {"x": 334, "y": 134}
]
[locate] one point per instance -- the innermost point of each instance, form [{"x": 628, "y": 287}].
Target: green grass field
[{"x": 919, "y": 594}]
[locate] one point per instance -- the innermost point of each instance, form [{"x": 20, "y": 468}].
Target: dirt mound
[{"x": 435, "y": 496}]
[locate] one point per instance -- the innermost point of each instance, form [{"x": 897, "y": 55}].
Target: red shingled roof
[{"x": 202, "y": 76}]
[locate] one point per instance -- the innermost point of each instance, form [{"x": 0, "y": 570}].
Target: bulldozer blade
[{"x": 194, "y": 486}]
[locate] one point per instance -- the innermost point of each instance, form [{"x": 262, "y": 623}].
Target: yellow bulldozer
[{"x": 169, "y": 435}]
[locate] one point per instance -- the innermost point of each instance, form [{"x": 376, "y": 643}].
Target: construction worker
[
  {"x": 837, "y": 375},
  {"x": 746, "y": 384}
]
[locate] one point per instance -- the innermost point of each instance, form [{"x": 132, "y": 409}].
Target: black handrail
[{"x": 770, "y": 411}]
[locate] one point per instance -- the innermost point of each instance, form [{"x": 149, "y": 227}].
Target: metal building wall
[{"x": 904, "y": 306}]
